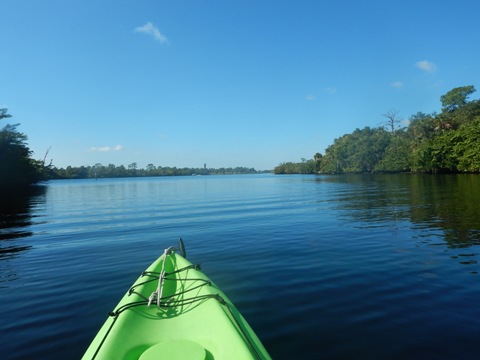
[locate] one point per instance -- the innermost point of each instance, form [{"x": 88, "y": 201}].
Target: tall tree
[
  {"x": 456, "y": 98},
  {"x": 17, "y": 169}
]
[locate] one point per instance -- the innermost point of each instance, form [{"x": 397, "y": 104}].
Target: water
[{"x": 322, "y": 267}]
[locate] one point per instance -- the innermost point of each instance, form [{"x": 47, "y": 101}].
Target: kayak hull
[{"x": 172, "y": 311}]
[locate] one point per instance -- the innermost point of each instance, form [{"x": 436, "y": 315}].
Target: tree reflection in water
[
  {"x": 449, "y": 203},
  {"x": 16, "y": 219}
]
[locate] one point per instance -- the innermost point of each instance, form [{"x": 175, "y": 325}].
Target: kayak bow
[{"x": 174, "y": 311}]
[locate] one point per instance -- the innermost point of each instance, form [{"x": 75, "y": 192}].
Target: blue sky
[{"x": 222, "y": 82}]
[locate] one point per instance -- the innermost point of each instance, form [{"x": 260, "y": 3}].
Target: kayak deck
[{"x": 174, "y": 311}]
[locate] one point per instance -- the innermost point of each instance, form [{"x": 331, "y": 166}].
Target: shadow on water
[
  {"x": 449, "y": 203},
  {"x": 16, "y": 218}
]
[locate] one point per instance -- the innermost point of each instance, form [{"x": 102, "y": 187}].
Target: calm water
[{"x": 323, "y": 267}]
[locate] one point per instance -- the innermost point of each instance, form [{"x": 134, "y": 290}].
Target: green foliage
[
  {"x": 397, "y": 155},
  {"x": 311, "y": 166},
  {"x": 464, "y": 149},
  {"x": 456, "y": 144},
  {"x": 456, "y": 98},
  {"x": 304, "y": 167},
  {"x": 3, "y": 114},
  {"x": 17, "y": 167},
  {"x": 112, "y": 171},
  {"x": 421, "y": 127},
  {"x": 448, "y": 142},
  {"x": 359, "y": 152}
]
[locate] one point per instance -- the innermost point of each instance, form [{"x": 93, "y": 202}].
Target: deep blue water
[{"x": 322, "y": 267}]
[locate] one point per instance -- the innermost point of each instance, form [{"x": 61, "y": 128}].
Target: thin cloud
[
  {"x": 152, "y": 30},
  {"x": 310, "y": 97},
  {"x": 426, "y": 66},
  {"x": 107, "y": 148},
  {"x": 396, "y": 84},
  {"x": 331, "y": 90}
]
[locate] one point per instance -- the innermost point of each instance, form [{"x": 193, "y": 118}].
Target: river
[{"x": 322, "y": 267}]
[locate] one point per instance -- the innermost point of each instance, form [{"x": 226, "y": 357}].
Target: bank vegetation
[{"x": 448, "y": 142}]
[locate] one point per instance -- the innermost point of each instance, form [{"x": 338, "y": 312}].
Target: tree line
[
  {"x": 448, "y": 142},
  {"x": 19, "y": 170},
  {"x": 132, "y": 170}
]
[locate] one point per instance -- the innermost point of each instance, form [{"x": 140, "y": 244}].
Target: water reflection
[
  {"x": 449, "y": 203},
  {"x": 16, "y": 218}
]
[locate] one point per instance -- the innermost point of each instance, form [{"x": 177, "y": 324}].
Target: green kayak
[{"x": 174, "y": 311}]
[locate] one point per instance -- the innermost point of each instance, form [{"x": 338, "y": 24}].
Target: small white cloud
[
  {"x": 426, "y": 65},
  {"x": 331, "y": 90},
  {"x": 310, "y": 97},
  {"x": 397, "y": 84},
  {"x": 107, "y": 148},
  {"x": 152, "y": 30}
]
